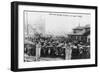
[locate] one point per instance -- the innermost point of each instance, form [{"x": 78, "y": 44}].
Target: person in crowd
[
  {"x": 38, "y": 51},
  {"x": 75, "y": 52},
  {"x": 68, "y": 51}
]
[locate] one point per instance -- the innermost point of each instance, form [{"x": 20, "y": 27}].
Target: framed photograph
[{"x": 52, "y": 36}]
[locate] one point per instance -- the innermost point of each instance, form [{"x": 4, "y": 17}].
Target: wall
[{"x": 5, "y": 17}]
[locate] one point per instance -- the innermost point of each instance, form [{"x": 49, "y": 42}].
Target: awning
[{"x": 28, "y": 42}]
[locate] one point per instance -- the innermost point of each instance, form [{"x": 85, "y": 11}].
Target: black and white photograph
[
  {"x": 53, "y": 36},
  {"x": 56, "y": 36}
]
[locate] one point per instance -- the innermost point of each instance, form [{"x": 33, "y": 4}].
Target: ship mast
[
  {"x": 79, "y": 20},
  {"x": 27, "y": 23}
]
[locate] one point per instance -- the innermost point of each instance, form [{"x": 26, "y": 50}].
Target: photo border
[{"x": 14, "y": 35}]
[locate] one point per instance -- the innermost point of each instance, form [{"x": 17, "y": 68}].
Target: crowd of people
[{"x": 61, "y": 47}]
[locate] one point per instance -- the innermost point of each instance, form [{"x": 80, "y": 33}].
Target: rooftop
[
  {"x": 82, "y": 27},
  {"x": 79, "y": 33},
  {"x": 87, "y": 26}
]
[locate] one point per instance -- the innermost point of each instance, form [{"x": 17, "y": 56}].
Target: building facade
[{"x": 80, "y": 34}]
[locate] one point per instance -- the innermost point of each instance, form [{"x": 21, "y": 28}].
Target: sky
[{"x": 56, "y": 23}]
